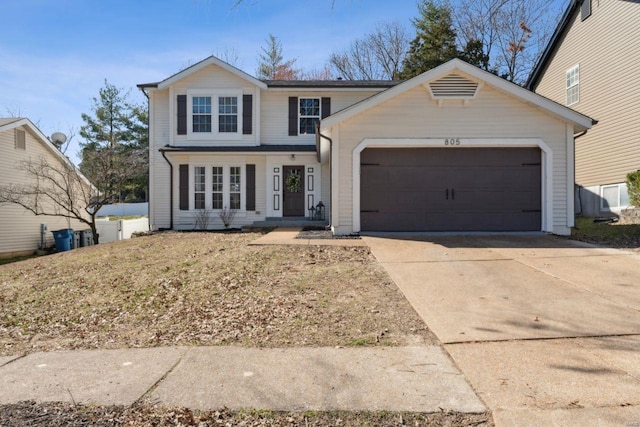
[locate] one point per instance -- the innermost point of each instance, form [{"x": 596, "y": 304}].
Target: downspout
[
  {"x": 576, "y": 136},
  {"x": 170, "y": 191},
  {"x": 330, "y": 163}
]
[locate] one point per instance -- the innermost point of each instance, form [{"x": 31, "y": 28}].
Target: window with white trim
[
  {"x": 573, "y": 85},
  {"x": 309, "y": 114},
  {"x": 201, "y": 108},
  {"x": 234, "y": 188},
  {"x": 228, "y": 114},
  {"x": 614, "y": 197},
  {"x": 218, "y": 187},
  {"x": 199, "y": 186},
  {"x": 214, "y": 114}
]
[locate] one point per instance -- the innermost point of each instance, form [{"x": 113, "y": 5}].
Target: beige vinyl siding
[
  {"x": 159, "y": 170},
  {"x": 185, "y": 219},
  {"x": 492, "y": 114},
  {"x": 20, "y": 230},
  {"x": 275, "y": 113},
  {"x": 214, "y": 77},
  {"x": 606, "y": 47}
]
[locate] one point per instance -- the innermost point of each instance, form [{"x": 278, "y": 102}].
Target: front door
[{"x": 293, "y": 191}]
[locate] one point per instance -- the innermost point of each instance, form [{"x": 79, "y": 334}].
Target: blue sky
[{"x": 56, "y": 54}]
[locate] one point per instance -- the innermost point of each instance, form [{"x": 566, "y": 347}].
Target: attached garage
[
  {"x": 453, "y": 149},
  {"x": 450, "y": 189}
]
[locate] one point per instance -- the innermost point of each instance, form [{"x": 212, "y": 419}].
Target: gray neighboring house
[
  {"x": 592, "y": 64},
  {"x": 453, "y": 149}
]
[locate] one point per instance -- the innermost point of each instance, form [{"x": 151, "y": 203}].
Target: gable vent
[{"x": 453, "y": 86}]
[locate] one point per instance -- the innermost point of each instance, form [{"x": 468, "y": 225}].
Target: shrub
[{"x": 633, "y": 185}]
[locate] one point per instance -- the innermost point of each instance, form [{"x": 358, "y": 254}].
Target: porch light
[{"x": 320, "y": 211}]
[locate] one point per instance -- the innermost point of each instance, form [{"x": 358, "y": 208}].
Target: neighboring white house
[
  {"x": 592, "y": 64},
  {"x": 455, "y": 148},
  {"x": 20, "y": 230}
]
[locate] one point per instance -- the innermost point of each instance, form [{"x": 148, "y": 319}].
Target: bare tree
[
  {"x": 376, "y": 56},
  {"x": 229, "y": 55},
  {"x": 325, "y": 73},
  {"x": 55, "y": 189},
  {"x": 512, "y": 33}
]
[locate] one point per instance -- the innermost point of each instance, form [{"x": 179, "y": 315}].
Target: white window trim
[
  {"x": 618, "y": 207},
  {"x": 576, "y": 84},
  {"x": 226, "y": 186},
  {"x": 300, "y": 116},
  {"x": 215, "y": 94}
]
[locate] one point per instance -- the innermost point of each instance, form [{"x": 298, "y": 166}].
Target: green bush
[{"x": 633, "y": 185}]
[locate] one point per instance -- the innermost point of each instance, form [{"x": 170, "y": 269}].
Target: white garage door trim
[{"x": 546, "y": 169}]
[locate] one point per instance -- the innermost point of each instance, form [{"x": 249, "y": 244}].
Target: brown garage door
[{"x": 450, "y": 189}]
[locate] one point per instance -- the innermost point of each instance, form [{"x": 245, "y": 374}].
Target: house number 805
[{"x": 452, "y": 141}]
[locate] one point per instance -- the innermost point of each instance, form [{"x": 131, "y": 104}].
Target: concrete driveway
[{"x": 547, "y": 330}]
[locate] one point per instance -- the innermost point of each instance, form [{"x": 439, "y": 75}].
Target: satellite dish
[{"x": 58, "y": 138}]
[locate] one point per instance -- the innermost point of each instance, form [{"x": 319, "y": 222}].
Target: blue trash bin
[{"x": 63, "y": 239}]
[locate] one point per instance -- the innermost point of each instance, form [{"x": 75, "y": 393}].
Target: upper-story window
[
  {"x": 309, "y": 115},
  {"x": 573, "y": 85},
  {"x": 201, "y": 114},
  {"x": 20, "y": 140},
  {"x": 213, "y": 114},
  {"x": 228, "y": 114}
]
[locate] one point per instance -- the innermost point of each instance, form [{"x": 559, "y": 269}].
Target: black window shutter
[
  {"x": 251, "y": 188},
  {"x": 585, "y": 9},
  {"x": 247, "y": 114},
  {"x": 182, "y": 114},
  {"x": 325, "y": 107},
  {"x": 184, "y": 187},
  {"x": 293, "y": 116}
]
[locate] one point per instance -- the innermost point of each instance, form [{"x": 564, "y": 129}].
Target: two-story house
[
  {"x": 592, "y": 65},
  {"x": 455, "y": 148}
]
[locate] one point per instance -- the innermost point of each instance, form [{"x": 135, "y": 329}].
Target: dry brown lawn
[{"x": 202, "y": 289}]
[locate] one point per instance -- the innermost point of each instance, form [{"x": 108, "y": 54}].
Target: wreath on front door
[{"x": 293, "y": 182}]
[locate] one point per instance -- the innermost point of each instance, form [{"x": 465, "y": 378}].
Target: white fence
[
  {"x": 112, "y": 231},
  {"x": 124, "y": 209}
]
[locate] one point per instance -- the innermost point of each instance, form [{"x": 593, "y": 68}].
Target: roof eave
[
  {"x": 579, "y": 120},
  {"x": 541, "y": 64},
  {"x": 204, "y": 63}
]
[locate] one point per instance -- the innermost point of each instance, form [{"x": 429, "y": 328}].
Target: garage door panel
[{"x": 433, "y": 189}]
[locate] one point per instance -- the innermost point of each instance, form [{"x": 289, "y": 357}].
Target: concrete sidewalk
[
  {"x": 416, "y": 379},
  {"x": 547, "y": 330}
]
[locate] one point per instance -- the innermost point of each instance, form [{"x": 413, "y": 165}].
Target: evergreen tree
[
  {"x": 435, "y": 41},
  {"x": 114, "y": 154},
  {"x": 272, "y": 65}
]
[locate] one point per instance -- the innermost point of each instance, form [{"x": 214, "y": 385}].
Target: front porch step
[{"x": 289, "y": 222}]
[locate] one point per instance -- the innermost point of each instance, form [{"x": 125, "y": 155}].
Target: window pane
[
  {"x": 308, "y": 125},
  {"x": 217, "y": 187},
  {"x": 228, "y": 124},
  {"x": 624, "y": 196},
  {"x": 610, "y": 197},
  {"x": 228, "y": 114},
  {"x": 234, "y": 200},
  {"x": 199, "y": 187},
  {"x": 234, "y": 191},
  {"x": 217, "y": 201},
  {"x": 309, "y": 107}
]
